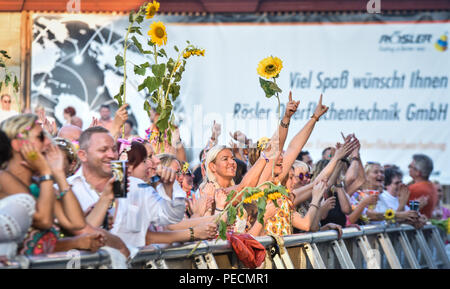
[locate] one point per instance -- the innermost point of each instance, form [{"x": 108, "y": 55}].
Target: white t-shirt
[
  {"x": 85, "y": 193},
  {"x": 4, "y": 114},
  {"x": 386, "y": 201},
  {"x": 143, "y": 207}
]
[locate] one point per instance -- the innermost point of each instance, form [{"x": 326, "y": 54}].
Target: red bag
[{"x": 249, "y": 251}]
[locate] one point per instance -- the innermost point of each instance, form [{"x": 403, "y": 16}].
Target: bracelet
[
  {"x": 355, "y": 159},
  {"x": 192, "y": 234},
  {"x": 315, "y": 117},
  {"x": 46, "y": 178},
  {"x": 264, "y": 156},
  {"x": 284, "y": 125},
  {"x": 220, "y": 210},
  {"x": 62, "y": 194},
  {"x": 314, "y": 206}
]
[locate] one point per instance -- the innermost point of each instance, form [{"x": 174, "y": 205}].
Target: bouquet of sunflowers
[{"x": 162, "y": 83}]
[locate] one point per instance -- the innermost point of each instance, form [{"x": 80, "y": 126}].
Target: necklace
[{"x": 17, "y": 179}]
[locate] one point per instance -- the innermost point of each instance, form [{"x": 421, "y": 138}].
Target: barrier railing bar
[{"x": 159, "y": 253}]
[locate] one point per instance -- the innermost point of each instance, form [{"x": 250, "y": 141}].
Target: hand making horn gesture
[
  {"x": 291, "y": 106},
  {"x": 320, "y": 110}
]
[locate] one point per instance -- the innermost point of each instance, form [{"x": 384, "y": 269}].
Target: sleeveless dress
[
  {"x": 38, "y": 241},
  {"x": 16, "y": 215}
]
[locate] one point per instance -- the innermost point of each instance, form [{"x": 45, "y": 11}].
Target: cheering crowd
[{"x": 58, "y": 190}]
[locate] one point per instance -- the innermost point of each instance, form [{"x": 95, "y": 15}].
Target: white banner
[{"x": 387, "y": 83}]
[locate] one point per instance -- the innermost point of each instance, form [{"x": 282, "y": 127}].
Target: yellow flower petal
[
  {"x": 158, "y": 34},
  {"x": 269, "y": 67}
]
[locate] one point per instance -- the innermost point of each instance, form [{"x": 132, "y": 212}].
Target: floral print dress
[{"x": 281, "y": 223}]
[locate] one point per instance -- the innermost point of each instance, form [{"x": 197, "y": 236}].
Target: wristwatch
[{"x": 46, "y": 178}]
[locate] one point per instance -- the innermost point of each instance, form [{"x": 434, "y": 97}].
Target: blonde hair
[
  {"x": 18, "y": 124},
  {"x": 211, "y": 157},
  {"x": 167, "y": 159},
  {"x": 300, "y": 164}
]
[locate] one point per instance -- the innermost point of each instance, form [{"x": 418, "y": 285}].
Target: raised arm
[{"x": 299, "y": 140}]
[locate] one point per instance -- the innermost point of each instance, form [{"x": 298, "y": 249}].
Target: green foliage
[
  {"x": 118, "y": 96},
  {"x": 119, "y": 61},
  {"x": 222, "y": 230},
  {"x": 10, "y": 77},
  {"x": 270, "y": 88}
]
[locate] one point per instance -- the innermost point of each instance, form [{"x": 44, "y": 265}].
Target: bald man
[
  {"x": 76, "y": 121},
  {"x": 70, "y": 132}
]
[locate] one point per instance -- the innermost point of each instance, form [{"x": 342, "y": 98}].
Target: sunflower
[
  {"x": 389, "y": 214},
  {"x": 158, "y": 33},
  {"x": 269, "y": 67},
  {"x": 151, "y": 9}
]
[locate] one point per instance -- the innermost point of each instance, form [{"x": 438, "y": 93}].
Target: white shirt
[
  {"x": 386, "y": 201},
  {"x": 143, "y": 207},
  {"x": 4, "y": 114},
  {"x": 85, "y": 193}
]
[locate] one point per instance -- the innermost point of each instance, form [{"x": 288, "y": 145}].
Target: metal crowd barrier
[{"x": 372, "y": 247}]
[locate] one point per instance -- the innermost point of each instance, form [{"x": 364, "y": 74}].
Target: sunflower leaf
[
  {"x": 266, "y": 86},
  {"x": 222, "y": 230},
  {"x": 139, "y": 70},
  {"x": 16, "y": 84},
  {"x": 230, "y": 196},
  {"x": 151, "y": 83},
  {"x": 130, "y": 17},
  {"x": 176, "y": 48},
  {"x": 231, "y": 215},
  {"x": 159, "y": 69},
  {"x": 118, "y": 96},
  {"x": 162, "y": 52},
  {"x": 119, "y": 61},
  {"x": 139, "y": 19}
]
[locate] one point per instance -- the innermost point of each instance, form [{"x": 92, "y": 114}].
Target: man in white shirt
[
  {"x": 395, "y": 197},
  {"x": 6, "y": 111},
  {"x": 92, "y": 184}
]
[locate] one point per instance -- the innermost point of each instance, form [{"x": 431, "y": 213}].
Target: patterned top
[
  {"x": 281, "y": 223},
  {"x": 356, "y": 198}
]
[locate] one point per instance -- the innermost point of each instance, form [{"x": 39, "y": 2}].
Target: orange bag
[{"x": 249, "y": 251}]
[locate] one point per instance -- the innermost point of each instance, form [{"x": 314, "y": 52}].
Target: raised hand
[
  {"x": 329, "y": 203},
  {"x": 239, "y": 136},
  {"x": 94, "y": 122},
  {"x": 343, "y": 151},
  {"x": 320, "y": 109},
  {"x": 221, "y": 199},
  {"x": 166, "y": 174},
  {"x": 370, "y": 200},
  {"x": 403, "y": 194},
  {"x": 271, "y": 210},
  {"x": 216, "y": 130},
  {"x": 120, "y": 117},
  {"x": 291, "y": 106},
  {"x": 208, "y": 191},
  {"x": 198, "y": 206},
  {"x": 34, "y": 159},
  {"x": 55, "y": 159},
  {"x": 319, "y": 189}
]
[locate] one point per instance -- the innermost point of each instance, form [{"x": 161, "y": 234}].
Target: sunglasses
[{"x": 302, "y": 176}]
